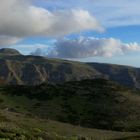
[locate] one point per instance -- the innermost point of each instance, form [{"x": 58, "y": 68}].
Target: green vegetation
[
  {"x": 20, "y": 127},
  {"x": 80, "y": 110},
  {"x": 89, "y": 103}
]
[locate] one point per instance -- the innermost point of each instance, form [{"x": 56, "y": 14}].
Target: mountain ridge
[
  {"x": 9, "y": 51},
  {"x": 33, "y": 70}
]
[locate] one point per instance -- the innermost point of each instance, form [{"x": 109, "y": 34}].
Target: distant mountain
[
  {"x": 124, "y": 75},
  {"x": 8, "y": 51},
  {"x": 32, "y": 70}
]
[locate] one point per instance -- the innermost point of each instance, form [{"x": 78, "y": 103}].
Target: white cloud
[
  {"x": 27, "y": 48},
  {"x": 8, "y": 40},
  {"x": 38, "y": 52},
  {"x": 109, "y": 12},
  {"x": 91, "y": 47},
  {"x": 20, "y": 18}
]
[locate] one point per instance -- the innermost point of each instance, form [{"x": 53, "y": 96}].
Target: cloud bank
[
  {"x": 8, "y": 40},
  {"x": 21, "y": 19},
  {"x": 109, "y": 12},
  {"x": 90, "y": 47}
]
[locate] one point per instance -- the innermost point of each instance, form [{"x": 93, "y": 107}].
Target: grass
[
  {"x": 88, "y": 109},
  {"x": 89, "y": 103},
  {"x": 34, "y": 128}
]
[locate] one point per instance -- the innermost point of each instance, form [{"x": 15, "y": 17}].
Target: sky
[{"x": 103, "y": 31}]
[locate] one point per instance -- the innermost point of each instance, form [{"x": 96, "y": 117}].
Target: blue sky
[{"x": 83, "y": 30}]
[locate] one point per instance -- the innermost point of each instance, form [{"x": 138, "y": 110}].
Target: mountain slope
[
  {"x": 21, "y": 127},
  {"x": 33, "y": 70},
  {"x": 8, "y": 51},
  {"x": 125, "y": 75},
  {"x": 94, "y": 103},
  {"x": 41, "y": 112}
]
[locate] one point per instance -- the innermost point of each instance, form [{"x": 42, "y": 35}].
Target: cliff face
[{"x": 32, "y": 70}]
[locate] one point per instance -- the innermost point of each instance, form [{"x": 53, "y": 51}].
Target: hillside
[
  {"x": 8, "y": 51},
  {"x": 42, "y": 111},
  {"x": 33, "y": 70},
  {"x": 91, "y": 103},
  {"x": 23, "y": 127},
  {"x": 128, "y": 76}
]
